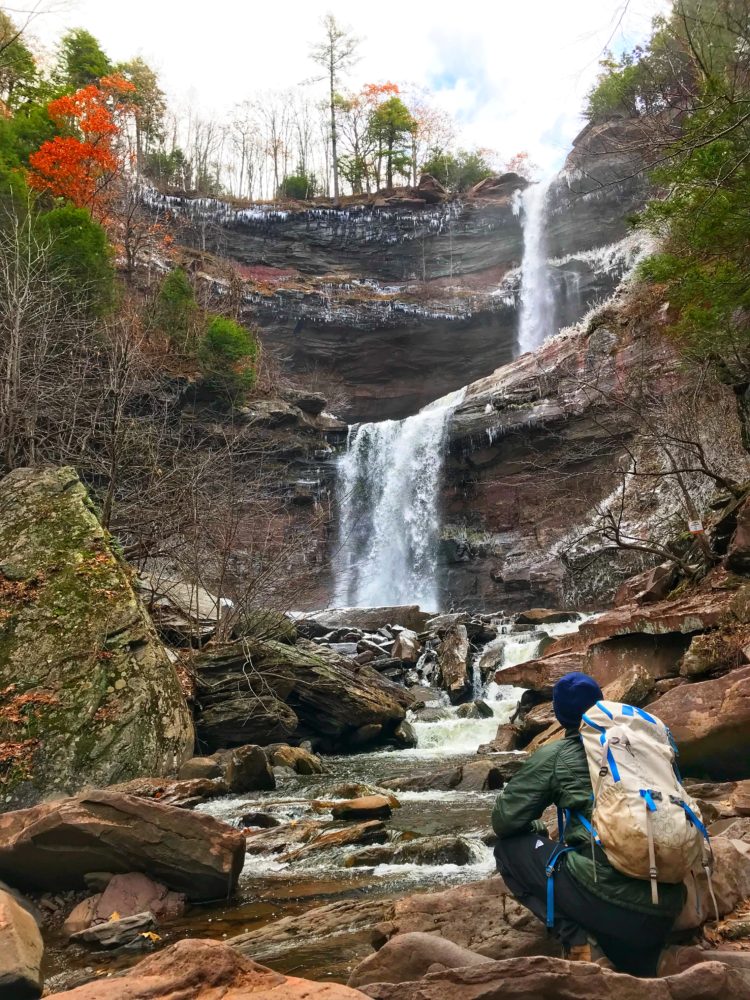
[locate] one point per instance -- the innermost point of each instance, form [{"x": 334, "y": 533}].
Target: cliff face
[
  {"x": 403, "y": 300},
  {"x": 556, "y": 489}
]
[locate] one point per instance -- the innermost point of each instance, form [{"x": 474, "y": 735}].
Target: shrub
[
  {"x": 81, "y": 254},
  {"x": 227, "y": 355},
  {"x": 175, "y": 307},
  {"x": 300, "y": 185}
]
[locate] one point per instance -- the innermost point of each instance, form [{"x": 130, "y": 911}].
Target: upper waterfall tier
[{"x": 406, "y": 299}]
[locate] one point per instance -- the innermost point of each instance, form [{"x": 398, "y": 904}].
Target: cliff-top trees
[
  {"x": 687, "y": 94},
  {"x": 81, "y": 60},
  {"x": 391, "y": 126},
  {"x": 81, "y": 164},
  {"x": 336, "y": 54}
]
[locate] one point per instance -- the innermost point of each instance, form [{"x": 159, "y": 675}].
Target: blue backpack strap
[
  {"x": 588, "y": 828},
  {"x": 549, "y": 871}
]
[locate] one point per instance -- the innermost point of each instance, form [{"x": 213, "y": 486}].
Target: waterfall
[
  {"x": 388, "y": 489},
  {"x": 537, "y": 316}
]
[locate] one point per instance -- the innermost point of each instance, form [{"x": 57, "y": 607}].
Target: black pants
[{"x": 632, "y": 941}]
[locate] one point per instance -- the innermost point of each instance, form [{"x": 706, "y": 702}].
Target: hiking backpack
[{"x": 643, "y": 819}]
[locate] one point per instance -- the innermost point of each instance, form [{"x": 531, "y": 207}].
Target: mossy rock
[
  {"x": 88, "y": 695},
  {"x": 265, "y": 623}
]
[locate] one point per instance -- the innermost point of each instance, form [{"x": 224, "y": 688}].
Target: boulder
[
  {"x": 137, "y": 893},
  {"x": 404, "y": 736},
  {"x": 246, "y": 769},
  {"x": 475, "y": 710},
  {"x": 431, "y": 190},
  {"x": 545, "y": 616},
  {"x": 486, "y": 774},
  {"x": 647, "y": 587},
  {"x": 205, "y": 970},
  {"x": 258, "y": 820},
  {"x": 731, "y": 883},
  {"x": 301, "y": 761},
  {"x": 539, "y": 976},
  {"x": 81, "y": 916},
  {"x": 738, "y": 554},
  {"x": 441, "y": 624},
  {"x": 406, "y": 646},
  {"x": 541, "y": 675},
  {"x": 201, "y": 768},
  {"x": 714, "y": 652},
  {"x": 183, "y": 794},
  {"x": 21, "y": 951},
  {"x": 710, "y": 720},
  {"x": 88, "y": 693},
  {"x": 369, "y": 807},
  {"x": 443, "y": 850},
  {"x": 507, "y": 739},
  {"x": 265, "y": 623},
  {"x": 270, "y": 691},
  {"x": 410, "y": 956},
  {"x": 281, "y": 838},
  {"x": 54, "y": 845},
  {"x": 453, "y": 661},
  {"x": 183, "y": 612}
]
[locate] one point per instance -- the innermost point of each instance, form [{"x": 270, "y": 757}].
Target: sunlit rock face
[{"x": 404, "y": 301}]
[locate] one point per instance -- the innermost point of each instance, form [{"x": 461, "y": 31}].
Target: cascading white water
[
  {"x": 537, "y": 315},
  {"x": 388, "y": 489}
]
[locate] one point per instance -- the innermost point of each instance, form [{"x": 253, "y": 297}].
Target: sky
[{"x": 514, "y": 73}]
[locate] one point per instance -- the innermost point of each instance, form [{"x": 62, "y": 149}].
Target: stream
[{"x": 270, "y": 889}]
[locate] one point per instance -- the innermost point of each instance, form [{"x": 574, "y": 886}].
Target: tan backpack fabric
[{"x": 646, "y": 823}]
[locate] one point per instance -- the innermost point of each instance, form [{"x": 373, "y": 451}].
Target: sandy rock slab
[
  {"x": 206, "y": 970},
  {"x": 542, "y": 978},
  {"x": 53, "y": 846}
]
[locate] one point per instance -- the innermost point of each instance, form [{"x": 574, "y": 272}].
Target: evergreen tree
[{"x": 81, "y": 60}]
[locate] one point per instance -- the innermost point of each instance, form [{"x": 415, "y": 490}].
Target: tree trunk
[{"x": 334, "y": 154}]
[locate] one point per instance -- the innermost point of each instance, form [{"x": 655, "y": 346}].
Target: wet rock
[
  {"x": 81, "y": 916},
  {"x": 101, "y": 700},
  {"x": 441, "y": 624},
  {"x": 182, "y": 794},
  {"x": 258, "y": 820},
  {"x": 545, "y": 616},
  {"x": 246, "y": 769},
  {"x": 348, "y": 649},
  {"x": 453, "y": 661},
  {"x": 407, "y": 646},
  {"x": 508, "y": 738},
  {"x": 21, "y": 951},
  {"x": 649, "y": 586},
  {"x": 53, "y": 846},
  {"x": 370, "y": 832},
  {"x": 480, "y": 916},
  {"x": 488, "y": 773},
  {"x": 301, "y": 761},
  {"x": 533, "y": 977},
  {"x": 206, "y": 970},
  {"x": 474, "y": 710},
  {"x": 281, "y": 838},
  {"x": 432, "y": 714},
  {"x": 540, "y": 675},
  {"x": 710, "y": 720},
  {"x": 369, "y": 807},
  {"x": 404, "y": 736},
  {"x": 410, "y": 956},
  {"x": 435, "y": 781},
  {"x": 118, "y": 933},
  {"x": 365, "y": 736},
  {"x": 445, "y": 850},
  {"x": 271, "y": 691}
]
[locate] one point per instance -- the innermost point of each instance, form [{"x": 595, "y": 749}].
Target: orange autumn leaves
[{"x": 80, "y": 164}]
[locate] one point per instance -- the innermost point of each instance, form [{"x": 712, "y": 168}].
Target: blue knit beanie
[{"x": 574, "y": 694}]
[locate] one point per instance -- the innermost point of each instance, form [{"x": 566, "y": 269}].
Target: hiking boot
[{"x": 579, "y": 953}]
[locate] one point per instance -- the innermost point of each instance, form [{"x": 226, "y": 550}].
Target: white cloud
[{"x": 514, "y": 73}]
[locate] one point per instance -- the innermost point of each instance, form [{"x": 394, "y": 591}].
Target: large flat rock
[{"x": 53, "y": 846}]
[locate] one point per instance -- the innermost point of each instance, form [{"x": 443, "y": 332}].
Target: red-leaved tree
[{"x": 81, "y": 164}]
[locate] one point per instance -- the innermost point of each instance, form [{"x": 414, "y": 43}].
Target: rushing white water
[
  {"x": 388, "y": 488},
  {"x": 537, "y": 315}
]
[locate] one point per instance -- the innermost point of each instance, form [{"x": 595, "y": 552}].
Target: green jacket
[{"x": 558, "y": 774}]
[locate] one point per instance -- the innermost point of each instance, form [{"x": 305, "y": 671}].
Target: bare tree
[{"x": 336, "y": 54}]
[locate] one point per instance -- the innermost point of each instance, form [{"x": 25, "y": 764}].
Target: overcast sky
[{"x": 514, "y": 73}]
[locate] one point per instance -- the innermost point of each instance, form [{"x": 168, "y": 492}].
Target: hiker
[{"x": 590, "y": 897}]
